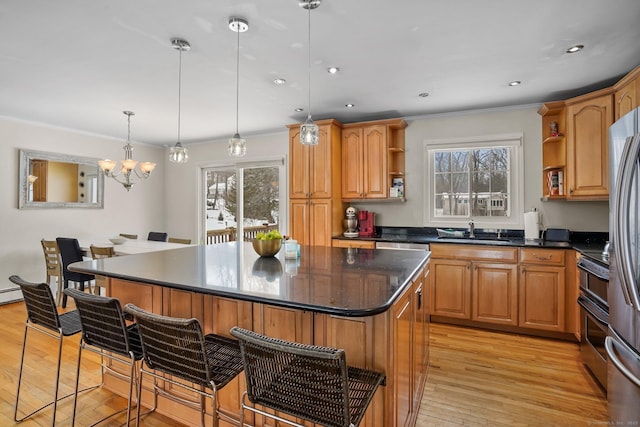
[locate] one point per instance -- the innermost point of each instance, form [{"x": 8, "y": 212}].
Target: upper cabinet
[
  {"x": 627, "y": 93},
  {"x": 588, "y": 120},
  {"x": 372, "y": 156}
]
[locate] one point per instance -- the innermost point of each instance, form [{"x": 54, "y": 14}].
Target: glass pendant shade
[
  {"x": 178, "y": 154},
  {"x": 237, "y": 146},
  {"x": 309, "y": 132}
]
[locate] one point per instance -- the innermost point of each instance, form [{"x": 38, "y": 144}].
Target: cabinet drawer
[
  {"x": 542, "y": 256},
  {"x": 474, "y": 252}
]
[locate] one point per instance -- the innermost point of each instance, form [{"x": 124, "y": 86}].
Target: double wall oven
[{"x": 594, "y": 314}]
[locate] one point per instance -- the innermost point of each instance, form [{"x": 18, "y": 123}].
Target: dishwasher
[{"x": 403, "y": 246}]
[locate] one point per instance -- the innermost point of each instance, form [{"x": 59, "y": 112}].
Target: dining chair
[
  {"x": 177, "y": 240},
  {"x": 129, "y": 236},
  {"x": 43, "y": 317},
  {"x": 305, "y": 381},
  {"x": 53, "y": 265},
  {"x": 157, "y": 236},
  {"x": 98, "y": 252},
  {"x": 105, "y": 332},
  {"x": 71, "y": 252},
  {"x": 177, "y": 347}
]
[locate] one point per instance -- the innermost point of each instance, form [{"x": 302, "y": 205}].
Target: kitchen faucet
[{"x": 472, "y": 230}]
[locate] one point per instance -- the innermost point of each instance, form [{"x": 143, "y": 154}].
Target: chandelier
[
  {"x": 178, "y": 153},
  {"x": 237, "y": 145},
  {"x": 309, "y": 130},
  {"x": 128, "y": 171}
]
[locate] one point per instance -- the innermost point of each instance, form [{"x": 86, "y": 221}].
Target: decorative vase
[{"x": 267, "y": 248}]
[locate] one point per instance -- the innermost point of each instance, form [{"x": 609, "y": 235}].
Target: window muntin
[{"x": 476, "y": 178}]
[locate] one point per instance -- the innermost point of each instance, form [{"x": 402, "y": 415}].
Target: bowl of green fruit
[{"x": 267, "y": 244}]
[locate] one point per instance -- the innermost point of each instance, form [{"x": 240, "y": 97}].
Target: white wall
[
  {"x": 137, "y": 211},
  {"x": 168, "y": 200}
]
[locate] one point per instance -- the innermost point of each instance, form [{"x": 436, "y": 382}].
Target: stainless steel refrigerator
[{"x": 623, "y": 341}]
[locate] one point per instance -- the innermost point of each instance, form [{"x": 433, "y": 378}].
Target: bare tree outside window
[{"x": 471, "y": 182}]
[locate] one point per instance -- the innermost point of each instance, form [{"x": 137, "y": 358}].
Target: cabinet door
[
  {"x": 402, "y": 355},
  {"x": 495, "y": 293},
  {"x": 626, "y": 98},
  {"x": 352, "y": 167},
  {"x": 299, "y": 220},
  {"x": 375, "y": 162},
  {"x": 298, "y": 166},
  {"x": 587, "y": 148},
  {"x": 541, "y": 298},
  {"x": 320, "y": 222},
  {"x": 320, "y": 173},
  {"x": 420, "y": 337},
  {"x": 451, "y": 288}
]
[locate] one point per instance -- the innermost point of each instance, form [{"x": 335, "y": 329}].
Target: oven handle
[
  {"x": 599, "y": 276},
  {"x": 589, "y": 308},
  {"x": 609, "y": 342}
]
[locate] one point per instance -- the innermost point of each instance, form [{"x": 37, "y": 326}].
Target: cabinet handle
[
  {"x": 419, "y": 299},
  {"x": 542, "y": 258},
  {"x": 570, "y": 190}
]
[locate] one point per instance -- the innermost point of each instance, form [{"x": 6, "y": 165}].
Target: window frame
[{"x": 514, "y": 142}]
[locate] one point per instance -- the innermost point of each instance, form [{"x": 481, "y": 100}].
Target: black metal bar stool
[
  {"x": 178, "y": 347},
  {"x": 306, "y": 381},
  {"x": 105, "y": 332},
  {"x": 42, "y": 316}
]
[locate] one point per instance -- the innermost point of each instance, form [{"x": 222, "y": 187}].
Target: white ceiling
[{"x": 77, "y": 63}]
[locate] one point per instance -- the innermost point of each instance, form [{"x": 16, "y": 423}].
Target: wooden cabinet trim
[{"x": 474, "y": 252}]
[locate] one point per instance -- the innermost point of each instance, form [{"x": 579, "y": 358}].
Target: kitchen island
[{"x": 371, "y": 302}]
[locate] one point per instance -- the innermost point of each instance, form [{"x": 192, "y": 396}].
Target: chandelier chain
[{"x": 237, "y": 79}]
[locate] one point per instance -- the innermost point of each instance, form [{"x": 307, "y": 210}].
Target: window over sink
[{"x": 477, "y": 178}]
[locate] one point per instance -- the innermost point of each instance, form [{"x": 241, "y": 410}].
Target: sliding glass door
[{"x": 243, "y": 199}]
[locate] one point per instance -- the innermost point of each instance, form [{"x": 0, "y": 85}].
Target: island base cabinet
[{"x": 542, "y": 293}]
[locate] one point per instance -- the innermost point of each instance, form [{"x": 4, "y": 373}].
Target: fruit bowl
[
  {"x": 117, "y": 240},
  {"x": 267, "y": 248}
]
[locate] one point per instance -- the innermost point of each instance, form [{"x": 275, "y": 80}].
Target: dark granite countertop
[{"x": 345, "y": 282}]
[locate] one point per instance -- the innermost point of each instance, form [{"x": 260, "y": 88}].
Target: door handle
[{"x": 608, "y": 345}]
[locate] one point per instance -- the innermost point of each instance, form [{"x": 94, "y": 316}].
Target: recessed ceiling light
[
  {"x": 515, "y": 83},
  {"x": 349, "y": 105},
  {"x": 279, "y": 81},
  {"x": 333, "y": 70},
  {"x": 298, "y": 110},
  {"x": 574, "y": 49},
  {"x": 423, "y": 94}
]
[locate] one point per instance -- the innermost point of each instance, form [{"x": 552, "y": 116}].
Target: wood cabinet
[
  {"x": 372, "y": 155},
  {"x": 542, "y": 289},
  {"x": 476, "y": 283},
  {"x": 627, "y": 93},
  {"x": 588, "y": 120},
  {"x": 365, "y": 244},
  {"x": 315, "y": 213}
]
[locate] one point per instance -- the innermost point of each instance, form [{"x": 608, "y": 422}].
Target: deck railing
[{"x": 231, "y": 234}]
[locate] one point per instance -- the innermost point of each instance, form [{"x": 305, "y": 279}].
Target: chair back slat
[
  {"x": 98, "y": 252},
  {"x": 305, "y": 381},
  {"x": 157, "y": 236},
  {"x": 51, "y": 257},
  {"x": 41, "y": 308},
  {"x": 102, "y": 320},
  {"x": 171, "y": 345}
]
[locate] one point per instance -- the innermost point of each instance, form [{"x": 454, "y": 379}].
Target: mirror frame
[{"x": 23, "y": 197}]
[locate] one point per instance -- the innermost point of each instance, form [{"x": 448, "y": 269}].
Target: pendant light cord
[
  {"x": 237, "y": 77},
  {"x": 309, "y": 61},
  {"x": 180, "y": 48}
]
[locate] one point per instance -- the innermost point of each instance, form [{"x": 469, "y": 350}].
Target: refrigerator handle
[
  {"x": 609, "y": 343},
  {"x": 626, "y": 175}
]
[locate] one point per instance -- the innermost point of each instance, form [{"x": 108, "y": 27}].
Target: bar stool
[
  {"x": 42, "y": 316},
  {"x": 306, "y": 381},
  {"x": 105, "y": 332},
  {"x": 178, "y": 347}
]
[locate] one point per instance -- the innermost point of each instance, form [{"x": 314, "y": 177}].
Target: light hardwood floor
[{"x": 476, "y": 378}]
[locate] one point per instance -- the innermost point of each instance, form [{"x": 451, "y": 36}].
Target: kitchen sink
[{"x": 477, "y": 240}]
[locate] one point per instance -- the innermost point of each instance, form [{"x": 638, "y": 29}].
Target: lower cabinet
[{"x": 522, "y": 288}]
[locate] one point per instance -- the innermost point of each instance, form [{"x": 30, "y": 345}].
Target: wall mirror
[{"x": 51, "y": 180}]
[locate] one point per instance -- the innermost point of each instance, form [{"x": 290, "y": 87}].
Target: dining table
[{"x": 129, "y": 246}]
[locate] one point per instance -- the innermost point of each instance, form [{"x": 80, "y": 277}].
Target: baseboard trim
[{"x": 9, "y": 295}]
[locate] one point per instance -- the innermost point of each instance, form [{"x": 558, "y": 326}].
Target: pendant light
[
  {"x": 237, "y": 144},
  {"x": 178, "y": 153},
  {"x": 309, "y": 130}
]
